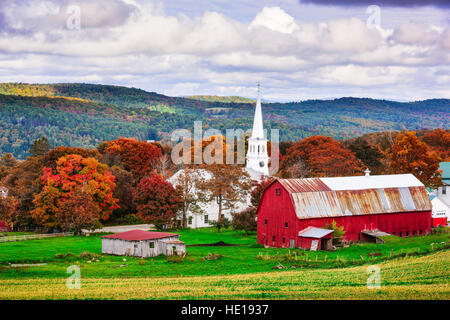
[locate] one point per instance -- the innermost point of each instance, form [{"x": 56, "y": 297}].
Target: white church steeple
[{"x": 257, "y": 157}]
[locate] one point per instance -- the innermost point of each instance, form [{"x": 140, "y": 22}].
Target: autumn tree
[
  {"x": 77, "y": 177},
  {"x": 370, "y": 155},
  {"x": 7, "y": 162},
  {"x": 8, "y": 207},
  {"x": 187, "y": 183},
  {"x": 410, "y": 155},
  {"x": 40, "y": 147},
  {"x": 227, "y": 185},
  {"x": 23, "y": 183},
  {"x": 245, "y": 220},
  {"x": 156, "y": 201},
  {"x": 80, "y": 211},
  {"x": 51, "y": 158},
  {"x": 323, "y": 157},
  {"x": 138, "y": 157},
  {"x": 123, "y": 192},
  {"x": 439, "y": 141},
  {"x": 258, "y": 189}
]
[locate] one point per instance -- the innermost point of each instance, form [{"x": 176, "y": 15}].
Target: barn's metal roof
[
  {"x": 313, "y": 232},
  {"x": 138, "y": 235},
  {"x": 349, "y": 196}
]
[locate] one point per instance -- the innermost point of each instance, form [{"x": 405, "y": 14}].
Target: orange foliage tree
[
  {"x": 138, "y": 157},
  {"x": 156, "y": 200},
  {"x": 320, "y": 156},
  {"x": 410, "y": 155},
  {"x": 75, "y": 182},
  {"x": 439, "y": 141}
]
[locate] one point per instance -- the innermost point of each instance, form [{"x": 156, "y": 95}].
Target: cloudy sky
[{"x": 299, "y": 50}]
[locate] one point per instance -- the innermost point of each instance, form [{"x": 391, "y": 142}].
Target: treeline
[{"x": 127, "y": 181}]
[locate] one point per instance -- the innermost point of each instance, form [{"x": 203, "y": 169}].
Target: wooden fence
[{"x": 34, "y": 236}]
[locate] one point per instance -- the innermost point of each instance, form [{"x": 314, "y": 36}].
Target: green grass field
[{"x": 248, "y": 260}]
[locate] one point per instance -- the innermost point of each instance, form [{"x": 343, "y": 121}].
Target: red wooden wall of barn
[{"x": 277, "y": 210}]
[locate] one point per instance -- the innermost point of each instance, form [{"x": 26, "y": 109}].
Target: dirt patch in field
[{"x": 217, "y": 244}]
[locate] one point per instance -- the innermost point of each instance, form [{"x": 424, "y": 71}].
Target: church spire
[
  {"x": 257, "y": 158},
  {"x": 258, "y": 131}
]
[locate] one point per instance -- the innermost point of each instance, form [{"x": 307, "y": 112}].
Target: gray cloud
[
  {"x": 387, "y": 3},
  {"x": 31, "y": 16}
]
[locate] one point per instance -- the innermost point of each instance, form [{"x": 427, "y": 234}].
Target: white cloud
[
  {"x": 137, "y": 44},
  {"x": 276, "y": 19}
]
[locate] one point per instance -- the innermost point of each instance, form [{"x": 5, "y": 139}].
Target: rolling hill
[{"x": 86, "y": 114}]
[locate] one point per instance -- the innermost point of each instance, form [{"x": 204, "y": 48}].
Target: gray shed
[{"x": 139, "y": 243}]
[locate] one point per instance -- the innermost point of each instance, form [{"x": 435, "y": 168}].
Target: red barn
[{"x": 395, "y": 204}]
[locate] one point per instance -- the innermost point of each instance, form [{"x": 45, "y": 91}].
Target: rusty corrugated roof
[
  {"x": 303, "y": 185},
  {"x": 313, "y": 198}
]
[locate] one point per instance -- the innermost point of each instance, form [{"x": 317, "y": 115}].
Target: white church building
[{"x": 257, "y": 166}]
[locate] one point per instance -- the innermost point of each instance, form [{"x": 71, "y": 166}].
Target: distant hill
[
  {"x": 225, "y": 99},
  {"x": 86, "y": 114}
]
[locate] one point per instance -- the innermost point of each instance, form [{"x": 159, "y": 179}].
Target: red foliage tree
[
  {"x": 156, "y": 200},
  {"x": 138, "y": 157},
  {"x": 321, "y": 157}
]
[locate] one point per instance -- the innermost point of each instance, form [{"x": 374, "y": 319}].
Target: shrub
[
  {"x": 89, "y": 256},
  {"x": 175, "y": 259},
  {"x": 213, "y": 256},
  {"x": 245, "y": 220}
]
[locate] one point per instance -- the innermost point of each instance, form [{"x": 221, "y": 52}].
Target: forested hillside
[{"x": 86, "y": 114}]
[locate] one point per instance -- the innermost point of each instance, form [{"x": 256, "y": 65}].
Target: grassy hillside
[{"x": 84, "y": 114}]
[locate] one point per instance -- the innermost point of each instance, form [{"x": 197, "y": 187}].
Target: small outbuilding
[
  {"x": 139, "y": 243},
  {"x": 315, "y": 239}
]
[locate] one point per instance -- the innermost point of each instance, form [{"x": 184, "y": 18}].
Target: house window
[
  {"x": 277, "y": 191},
  {"x": 286, "y": 224},
  {"x": 206, "y": 218},
  {"x": 189, "y": 220},
  {"x": 152, "y": 245},
  {"x": 273, "y": 238},
  {"x": 444, "y": 190},
  {"x": 265, "y": 222}
]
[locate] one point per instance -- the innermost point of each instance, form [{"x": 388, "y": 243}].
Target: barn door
[{"x": 292, "y": 243}]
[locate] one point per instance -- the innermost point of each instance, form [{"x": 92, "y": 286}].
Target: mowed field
[
  {"x": 424, "y": 277},
  {"x": 411, "y": 268}
]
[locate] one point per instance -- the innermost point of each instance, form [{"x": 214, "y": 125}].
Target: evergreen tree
[{"x": 40, "y": 147}]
